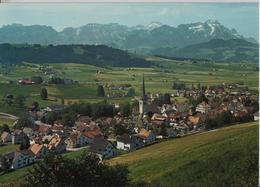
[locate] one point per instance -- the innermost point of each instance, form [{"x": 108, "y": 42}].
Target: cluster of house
[
  {"x": 111, "y": 86},
  {"x": 116, "y": 95},
  {"x": 147, "y": 123},
  {"x": 56, "y": 139},
  {"x": 123, "y": 88}
]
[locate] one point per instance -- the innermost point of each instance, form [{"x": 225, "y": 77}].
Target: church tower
[{"x": 143, "y": 99}]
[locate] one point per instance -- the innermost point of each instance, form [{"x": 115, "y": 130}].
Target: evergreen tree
[
  {"x": 4, "y": 128},
  {"x": 25, "y": 144},
  {"x": 44, "y": 93},
  {"x": 125, "y": 109},
  {"x": 5, "y": 165},
  {"x": 19, "y": 101},
  {"x": 167, "y": 99},
  {"x": 100, "y": 91},
  {"x": 131, "y": 92},
  {"x": 24, "y": 121}
]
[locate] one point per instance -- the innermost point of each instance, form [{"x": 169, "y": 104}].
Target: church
[
  {"x": 143, "y": 99},
  {"x": 144, "y": 105}
]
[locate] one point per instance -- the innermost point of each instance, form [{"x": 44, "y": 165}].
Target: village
[{"x": 153, "y": 118}]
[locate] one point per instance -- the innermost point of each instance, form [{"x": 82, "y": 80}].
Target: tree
[
  {"x": 100, "y": 91},
  {"x": 44, "y": 93},
  {"x": 198, "y": 86},
  {"x": 5, "y": 165},
  {"x": 24, "y": 121},
  {"x": 120, "y": 129},
  {"x": 35, "y": 105},
  {"x": 125, "y": 109},
  {"x": 8, "y": 99},
  {"x": 5, "y": 128},
  {"x": 158, "y": 101},
  {"x": 51, "y": 117},
  {"x": 25, "y": 144},
  {"x": 68, "y": 119},
  {"x": 19, "y": 101},
  {"x": 163, "y": 130},
  {"x": 131, "y": 92},
  {"x": 86, "y": 169},
  {"x": 167, "y": 99}
]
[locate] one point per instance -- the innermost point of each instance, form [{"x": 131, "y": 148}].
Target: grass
[
  {"x": 8, "y": 148},
  {"x": 210, "y": 159},
  {"x": 214, "y": 158},
  {"x": 158, "y": 79},
  {"x": 9, "y": 122}
]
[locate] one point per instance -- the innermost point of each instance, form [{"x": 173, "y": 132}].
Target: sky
[{"x": 244, "y": 17}]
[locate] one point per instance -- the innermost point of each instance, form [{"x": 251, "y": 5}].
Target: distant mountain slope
[
  {"x": 140, "y": 38},
  {"x": 85, "y": 54},
  {"x": 235, "y": 50}
]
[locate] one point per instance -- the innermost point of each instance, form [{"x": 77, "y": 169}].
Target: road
[{"x": 8, "y": 116}]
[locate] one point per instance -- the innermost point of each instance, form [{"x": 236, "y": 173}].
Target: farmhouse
[
  {"x": 146, "y": 136},
  {"x": 18, "y": 136},
  {"x": 57, "y": 144},
  {"x": 75, "y": 140},
  {"x": 203, "y": 107},
  {"x": 102, "y": 148},
  {"x": 19, "y": 159},
  {"x": 125, "y": 142},
  {"x": 39, "y": 150}
]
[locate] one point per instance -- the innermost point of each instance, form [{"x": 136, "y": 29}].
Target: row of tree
[{"x": 226, "y": 118}]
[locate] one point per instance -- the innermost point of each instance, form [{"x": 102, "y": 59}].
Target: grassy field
[
  {"x": 8, "y": 148},
  {"x": 215, "y": 158},
  {"x": 9, "y": 122},
  {"x": 158, "y": 79}
]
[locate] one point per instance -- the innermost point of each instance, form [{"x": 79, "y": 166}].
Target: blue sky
[{"x": 241, "y": 16}]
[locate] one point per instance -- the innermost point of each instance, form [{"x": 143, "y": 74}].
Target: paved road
[{"x": 8, "y": 116}]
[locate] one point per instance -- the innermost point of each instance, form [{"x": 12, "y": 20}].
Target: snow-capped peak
[
  {"x": 197, "y": 28},
  {"x": 212, "y": 24},
  {"x": 210, "y": 21},
  {"x": 153, "y": 25}
]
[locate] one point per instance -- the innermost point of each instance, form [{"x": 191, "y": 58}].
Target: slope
[
  {"x": 234, "y": 50},
  {"x": 98, "y": 55},
  {"x": 223, "y": 157}
]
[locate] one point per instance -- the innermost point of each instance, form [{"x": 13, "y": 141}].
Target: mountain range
[
  {"x": 155, "y": 38},
  {"x": 233, "y": 50}
]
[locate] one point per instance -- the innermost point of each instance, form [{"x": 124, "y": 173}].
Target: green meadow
[
  {"x": 159, "y": 78},
  {"x": 222, "y": 157}
]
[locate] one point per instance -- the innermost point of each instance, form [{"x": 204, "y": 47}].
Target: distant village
[{"x": 153, "y": 118}]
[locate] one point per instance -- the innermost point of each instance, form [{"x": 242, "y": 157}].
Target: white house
[
  {"x": 203, "y": 107},
  {"x": 256, "y": 116},
  {"x": 125, "y": 142}
]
